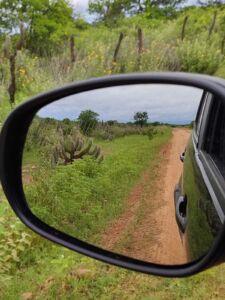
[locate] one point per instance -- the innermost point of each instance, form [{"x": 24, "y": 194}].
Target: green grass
[
  {"x": 83, "y": 197},
  {"x": 65, "y": 275}
]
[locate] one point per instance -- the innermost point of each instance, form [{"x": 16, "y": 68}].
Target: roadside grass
[
  {"x": 65, "y": 275},
  {"x": 150, "y": 186},
  {"x": 82, "y": 198}
]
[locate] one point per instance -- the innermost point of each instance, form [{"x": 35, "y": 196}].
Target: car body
[{"x": 199, "y": 195}]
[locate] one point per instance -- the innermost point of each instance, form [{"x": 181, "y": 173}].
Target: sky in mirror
[{"x": 164, "y": 103}]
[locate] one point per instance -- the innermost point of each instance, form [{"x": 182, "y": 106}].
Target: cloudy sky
[{"x": 164, "y": 103}]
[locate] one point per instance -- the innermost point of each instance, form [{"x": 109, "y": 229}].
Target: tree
[
  {"x": 47, "y": 23},
  {"x": 88, "y": 121},
  {"x": 210, "y": 2},
  {"x": 139, "y": 6},
  {"x": 141, "y": 118},
  {"x": 110, "y": 10}
]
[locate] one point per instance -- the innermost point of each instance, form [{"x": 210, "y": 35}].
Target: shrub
[{"x": 199, "y": 56}]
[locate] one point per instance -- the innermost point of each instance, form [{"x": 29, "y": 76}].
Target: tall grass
[{"x": 163, "y": 50}]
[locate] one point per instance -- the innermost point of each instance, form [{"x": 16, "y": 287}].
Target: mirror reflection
[{"x": 105, "y": 166}]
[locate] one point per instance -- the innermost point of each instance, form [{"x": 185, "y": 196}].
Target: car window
[
  {"x": 200, "y": 113},
  {"x": 215, "y": 135}
]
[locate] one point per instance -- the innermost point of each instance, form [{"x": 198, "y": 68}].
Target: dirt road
[{"x": 147, "y": 229}]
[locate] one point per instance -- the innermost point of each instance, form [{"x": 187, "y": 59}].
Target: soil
[{"x": 147, "y": 228}]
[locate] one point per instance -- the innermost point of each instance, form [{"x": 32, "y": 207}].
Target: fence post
[
  {"x": 11, "y": 53},
  {"x": 116, "y": 52},
  {"x": 222, "y": 45},
  {"x": 72, "y": 49},
  {"x": 213, "y": 23},
  {"x": 184, "y": 27},
  {"x": 140, "y": 46}
]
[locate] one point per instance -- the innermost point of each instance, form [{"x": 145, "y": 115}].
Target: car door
[{"x": 201, "y": 176}]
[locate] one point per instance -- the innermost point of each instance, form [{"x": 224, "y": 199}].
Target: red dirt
[{"x": 147, "y": 228}]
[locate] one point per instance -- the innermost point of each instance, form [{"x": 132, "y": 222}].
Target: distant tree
[
  {"x": 112, "y": 122},
  {"x": 88, "y": 121},
  {"x": 210, "y": 2},
  {"x": 110, "y": 10},
  {"x": 141, "y": 118},
  {"x": 139, "y": 6}
]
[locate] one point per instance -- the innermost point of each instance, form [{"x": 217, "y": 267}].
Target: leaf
[{"x": 14, "y": 255}]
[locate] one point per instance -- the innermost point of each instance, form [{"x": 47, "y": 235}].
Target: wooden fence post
[
  {"x": 184, "y": 27},
  {"x": 11, "y": 55},
  {"x": 116, "y": 52},
  {"x": 222, "y": 45},
  {"x": 213, "y": 23},
  {"x": 140, "y": 46},
  {"x": 72, "y": 49}
]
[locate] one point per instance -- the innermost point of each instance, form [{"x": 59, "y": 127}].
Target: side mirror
[{"x": 92, "y": 166}]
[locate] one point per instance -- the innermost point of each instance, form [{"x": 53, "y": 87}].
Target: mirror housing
[{"x": 13, "y": 136}]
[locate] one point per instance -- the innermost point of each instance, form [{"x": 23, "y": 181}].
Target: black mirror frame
[{"x": 12, "y": 139}]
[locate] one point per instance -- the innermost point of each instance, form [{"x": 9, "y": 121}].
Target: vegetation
[
  {"x": 44, "y": 45},
  {"x": 96, "y": 191},
  {"x": 88, "y": 121},
  {"x": 141, "y": 118}
]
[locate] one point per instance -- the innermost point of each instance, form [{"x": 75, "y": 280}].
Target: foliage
[
  {"x": 105, "y": 131},
  {"x": 14, "y": 243},
  {"x": 141, "y": 118},
  {"x": 199, "y": 57},
  {"x": 110, "y": 11},
  {"x": 80, "y": 198},
  {"x": 88, "y": 121},
  {"x": 59, "y": 142},
  {"x": 72, "y": 147},
  {"x": 46, "y": 23}
]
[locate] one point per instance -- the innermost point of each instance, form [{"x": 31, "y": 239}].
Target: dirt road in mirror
[{"x": 147, "y": 229}]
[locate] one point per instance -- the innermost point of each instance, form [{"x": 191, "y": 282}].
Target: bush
[{"x": 199, "y": 56}]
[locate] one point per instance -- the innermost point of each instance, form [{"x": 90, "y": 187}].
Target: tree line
[{"x": 88, "y": 120}]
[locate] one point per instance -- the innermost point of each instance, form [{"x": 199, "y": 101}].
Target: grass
[
  {"x": 62, "y": 275},
  {"x": 83, "y": 197}
]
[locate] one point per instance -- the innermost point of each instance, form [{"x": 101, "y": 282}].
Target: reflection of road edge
[
  {"x": 117, "y": 231},
  {"x": 140, "y": 249}
]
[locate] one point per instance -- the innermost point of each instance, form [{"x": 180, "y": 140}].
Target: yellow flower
[{"x": 22, "y": 71}]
